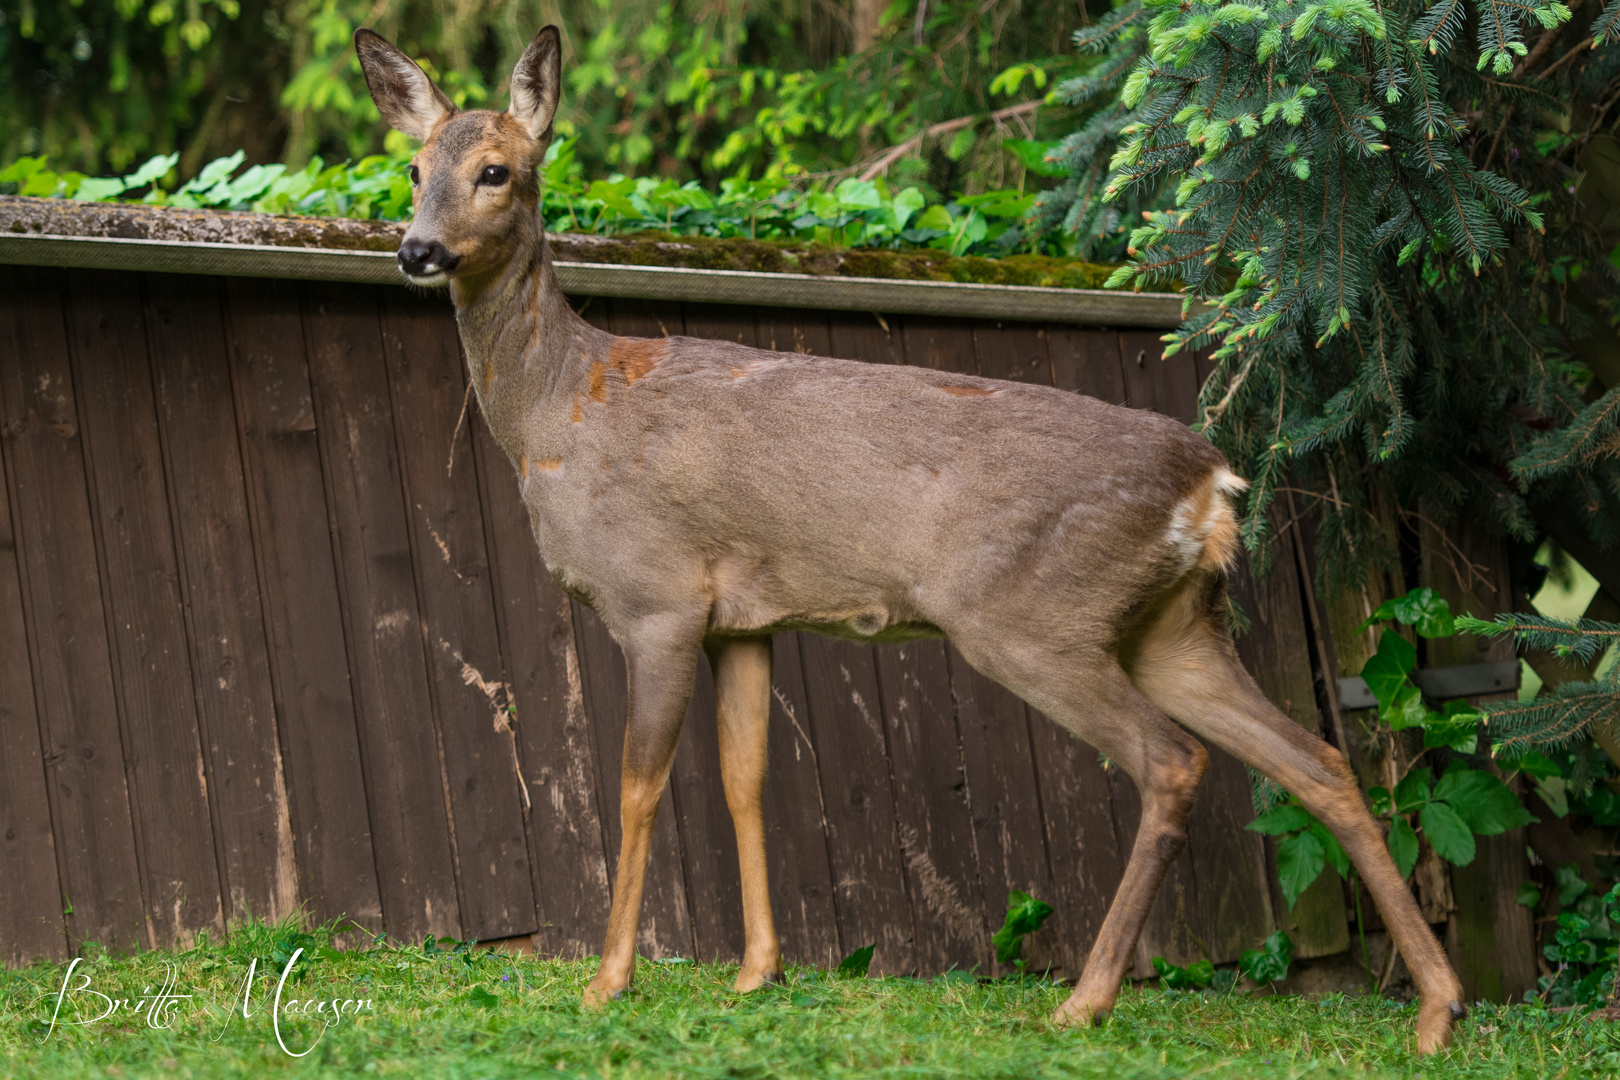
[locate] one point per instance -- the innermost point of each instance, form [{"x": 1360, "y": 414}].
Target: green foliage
[
  {"x": 1270, "y": 962},
  {"x": 848, "y": 213},
  {"x": 1583, "y": 948},
  {"x": 1465, "y": 803},
  {"x": 1199, "y": 974},
  {"x": 1025, "y": 914},
  {"x": 1563, "y": 717},
  {"x": 1387, "y": 219},
  {"x": 677, "y": 88},
  {"x": 684, "y": 1020},
  {"x": 857, "y": 963},
  {"x": 1304, "y": 848}
]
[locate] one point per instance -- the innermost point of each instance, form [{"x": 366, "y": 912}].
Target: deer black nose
[{"x": 419, "y": 258}]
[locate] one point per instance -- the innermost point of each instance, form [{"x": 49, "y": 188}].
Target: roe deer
[{"x": 701, "y": 496}]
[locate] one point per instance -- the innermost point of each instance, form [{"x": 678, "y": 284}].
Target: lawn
[{"x": 450, "y": 1012}]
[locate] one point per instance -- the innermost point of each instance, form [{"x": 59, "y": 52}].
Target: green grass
[{"x": 502, "y": 1015}]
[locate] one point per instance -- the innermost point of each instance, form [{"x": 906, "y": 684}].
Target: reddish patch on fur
[
  {"x": 634, "y": 358},
  {"x": 523, "y": 464},
  {"x": 967, "y": 391},
  {"x": 598, "y": 389},
  {"x": 489, "y": 377},
  {"x": 578, "y": 416},
  {"x": 550, "y": 464}
]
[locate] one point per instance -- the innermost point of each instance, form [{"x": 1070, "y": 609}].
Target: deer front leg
[
  {"x": 661, "y": 667},
  {"x": 742, "y": 683}
]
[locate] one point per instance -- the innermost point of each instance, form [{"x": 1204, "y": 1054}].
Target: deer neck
[{"x": 523, "y": 341}]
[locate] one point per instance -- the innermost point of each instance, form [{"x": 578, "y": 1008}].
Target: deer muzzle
[{"x": 426, "y": 262}]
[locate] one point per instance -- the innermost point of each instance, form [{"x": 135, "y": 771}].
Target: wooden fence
[{"x": 277, "y": 635}]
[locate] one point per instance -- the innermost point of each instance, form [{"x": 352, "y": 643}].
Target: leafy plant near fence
[
  {"x": 1467, "y": 800},
  {"x": 848, "y": 213}
]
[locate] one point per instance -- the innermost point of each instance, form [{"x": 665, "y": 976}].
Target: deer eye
[
  {"x": 494, "y": 175},
  {"x": 416, "y": 176}
]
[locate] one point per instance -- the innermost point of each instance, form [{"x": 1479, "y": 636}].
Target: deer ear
[
  {"x": 537, "y": 84},
  {"x": 404, "y": 94}
]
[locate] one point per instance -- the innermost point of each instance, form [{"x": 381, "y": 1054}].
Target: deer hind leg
[
  {"x": 742, "y": 683},
  {"x": 1167, "y": 765},
  {"x": 1096, "y": 701},
  {"x": 661, "y": 671},
  {"x": 1184, "y": 662}
]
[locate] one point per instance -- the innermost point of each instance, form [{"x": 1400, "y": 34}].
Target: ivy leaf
[
  {"x": 1413, "y": 790},
  {"x": 483, "y": 999},
  {"x": 1300, "y": 859},
  {"x": 1407, "y": 710},
  {"x": 1335, "y": 853},
  {"x": 1382, "y": 804},
  {"x": 858, "y": 963},
  {"x": 1290, "y": 817},
  {"x": 1484, "y": 803},
  {"x": 1269, "y": 963},
  {"x": 1025, "y": 914},
  {"x": 1427, "y": 612},
  {"x": 1456, "y": 728},
  {"x": 1448, "y": 834},
  {"x": 1403, "y": 846},
  {"x": 1386, "y": 670}
]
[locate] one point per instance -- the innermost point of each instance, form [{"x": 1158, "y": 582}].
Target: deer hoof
[
  {"x": 1434, "y": 1024},
  {"x": 753, "y": 980},
  {"x": 598, "y": 994},
  {"x": 1080, "y": 1013}
]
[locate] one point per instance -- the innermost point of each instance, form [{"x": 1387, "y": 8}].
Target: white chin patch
[{"x": 432, "y": 281}]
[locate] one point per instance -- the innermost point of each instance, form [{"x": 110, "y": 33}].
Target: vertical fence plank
[
  {"x": 859, "y": 335},
  {"x": 229, "y": 657},
  {"x": 1087, "y": 362},
  {"x": 31, "y": 924},
  {"x": 536, "y": 626},
  {"x": 1490, "y": 937},
  {"x": 66, "y": 622},
  {"x": 937, "y": 837},
  {"x": 797, "y": 834},
  {"x": 151, "y": 658},
  {"x": 298, "y": 580},
  {"x": 405, "y": 782},
  {"x": 470, "y": 694}
]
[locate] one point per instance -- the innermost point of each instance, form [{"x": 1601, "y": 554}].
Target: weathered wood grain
[
  {"x": 309, "y": 671},
  {"x": 382, "y": 617},
  {"x": 31, "y": 925},
  {"x": 174, "y": 833},
  {"x": 230, "y": 668},
  {"x": 797, "y": 833},
  {"x": 1490, "y": 938},
  {"x": 471, "y": 697},
  {"x": 66, "y": 621}
]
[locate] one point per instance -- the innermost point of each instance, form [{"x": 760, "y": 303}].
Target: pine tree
[{"x": 1382, "y": 225}]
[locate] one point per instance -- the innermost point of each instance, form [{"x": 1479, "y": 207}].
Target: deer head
[{"x": 473, "y": 182}]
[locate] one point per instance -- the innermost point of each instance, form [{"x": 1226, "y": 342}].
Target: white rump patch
[{"x": 1203, "y": 526}]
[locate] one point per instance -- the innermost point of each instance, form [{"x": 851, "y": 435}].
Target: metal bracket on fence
[{"x": 1441, "y": 683}]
